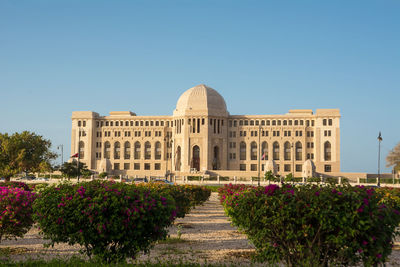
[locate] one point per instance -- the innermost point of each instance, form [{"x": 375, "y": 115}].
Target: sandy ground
[{"x": 206, "y": 237}]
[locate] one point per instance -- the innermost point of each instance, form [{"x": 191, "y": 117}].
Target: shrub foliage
[
  {"x": 312, "y": 225},
  {"x": 15, "y": 211},
  {"x": 109, "y": 220}
]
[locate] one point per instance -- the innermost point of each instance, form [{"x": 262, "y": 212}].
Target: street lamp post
[
  {"x": 79, "y": 152},
  {"x": 294, "y": 154},
  {"x": 62, "y": 154},
  {"x": 379, "y": 158},
  {"x": 258, "y": 152},
  {"x": 166, "y": 139}
]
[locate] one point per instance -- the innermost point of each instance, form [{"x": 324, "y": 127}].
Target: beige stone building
[{"x": 202, "y": 137}]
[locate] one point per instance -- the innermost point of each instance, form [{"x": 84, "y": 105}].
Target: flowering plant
[
  {"x": 314, "y": 225},
  {"x": 15, "y": 211},
  {"x": 109, "y": 220}
]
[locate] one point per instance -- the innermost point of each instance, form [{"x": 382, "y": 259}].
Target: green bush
[
  {"x": 177, "y": 192},
  {"x": 224, "y": 178},
  {"x": 332, "y": 180},
  {"x": 315, "y": 226},
  {"x": 109, "y": 220},
  {"x": 103, "y": 175},
  {"x": 313, "y": 180},
  {"x": 383, "y": 180},
  {"x": 194, "y": 178},
  {"x": 197, "y": 194}
]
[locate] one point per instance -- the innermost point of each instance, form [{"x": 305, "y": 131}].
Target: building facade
[{"x": 201, "y": 136}]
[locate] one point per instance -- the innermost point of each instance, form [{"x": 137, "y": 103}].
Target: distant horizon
[{"x": 263, "y": 57}]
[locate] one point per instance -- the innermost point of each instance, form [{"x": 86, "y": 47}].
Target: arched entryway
[
  {"x": 196, "y": 158},
  {"x": 215, "y": 163}
]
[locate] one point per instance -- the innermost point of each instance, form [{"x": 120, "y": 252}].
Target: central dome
[{"x": 201, "y": 100}]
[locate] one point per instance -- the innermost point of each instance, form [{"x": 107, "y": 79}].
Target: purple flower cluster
[{"x": 15, "y": 210}]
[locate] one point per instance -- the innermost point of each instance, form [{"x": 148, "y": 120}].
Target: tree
[
  {"x": 269, "y": 176},
  {"x": 24, "y": 152},
  {"x": 393, "y": 158},
  {"x": 70, "y": 170}
]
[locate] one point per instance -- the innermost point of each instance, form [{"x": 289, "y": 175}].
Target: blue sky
[{"x": 264, "y": 57}]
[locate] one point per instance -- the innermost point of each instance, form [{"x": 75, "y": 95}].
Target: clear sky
[{"x": 263, "y": 57}]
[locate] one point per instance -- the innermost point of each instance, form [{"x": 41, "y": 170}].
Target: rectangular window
[
  {"x": 136, "y": 166},
  {"x": 157, "y": 166},
  {"x": 147, "y": 166},
  {"x": 242, "y": 167},
  {"x": 298, "y": 167},
  {"x": 116, "y": 166},
  {"x": 126, "y": 166},
  {"x": 328, "y": 168},
  {"x": 286, "y": 167},
  {"x": 253, "y": 167}
]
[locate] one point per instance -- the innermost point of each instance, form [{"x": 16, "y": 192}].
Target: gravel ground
[{"x": 206, "y": 237}]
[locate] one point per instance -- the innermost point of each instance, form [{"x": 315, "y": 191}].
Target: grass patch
[
  {"x": 173, "y": 240},
  {"x": 214, "y": 188}
]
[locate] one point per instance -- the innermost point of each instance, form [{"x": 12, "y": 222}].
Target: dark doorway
[
  {"x": 196, "y": 158},
  {"x": 215, "y": 163}
]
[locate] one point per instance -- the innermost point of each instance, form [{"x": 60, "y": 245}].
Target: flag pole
[
  {"x": 79, "y": 141},
  {"x": 379, "y": 158}
]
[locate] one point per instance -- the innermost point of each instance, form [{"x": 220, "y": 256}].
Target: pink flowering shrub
[
  {"x": 22, "y": 185},
  {"x": 315, "y": 226},
  {"x": 109, "y": 220},
  {"x": 15, "y": 211}
]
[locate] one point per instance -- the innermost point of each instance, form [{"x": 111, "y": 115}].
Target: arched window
[
  {"x": 81, "y": 150},
  {"x": 253, "y": 149},
  {"x": 137, "y": 150},
  {"x": 107, "y": 150},
  {"x": 288, "y": 149},
  {"x": 242, "y": 151},
  {"x": 275, "y": 147},
  {"x": 117, "y": 150},
  {"x": 327, "y": 151},
  {"x": 157, "y": 150},
  {"x": 299, "y": 151},
  {"x": 264, "y": 149},
  {"x": 127, "y": 150},
  {"x": 147, "y": 150}
]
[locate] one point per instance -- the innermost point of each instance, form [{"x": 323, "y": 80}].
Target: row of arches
[
  {"x": 137, "y": 150},
  {"x": 276, "y": 151},
  {"x": 157, "y": 152}
]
